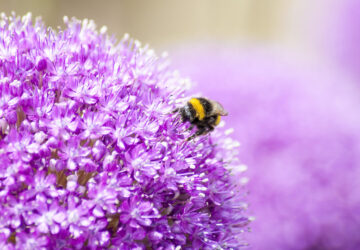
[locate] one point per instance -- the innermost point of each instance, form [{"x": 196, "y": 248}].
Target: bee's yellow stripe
[
  {"x": 200, "y": 112},
  {"x": 218, "y": 119}
]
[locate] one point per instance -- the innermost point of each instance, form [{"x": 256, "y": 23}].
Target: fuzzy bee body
[{"x": 203, "y": 113}]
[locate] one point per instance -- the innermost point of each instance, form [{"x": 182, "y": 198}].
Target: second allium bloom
[{"x": 91, "y": 155}]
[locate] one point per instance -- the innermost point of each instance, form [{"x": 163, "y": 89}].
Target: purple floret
[{"x": 92, "y": 156}]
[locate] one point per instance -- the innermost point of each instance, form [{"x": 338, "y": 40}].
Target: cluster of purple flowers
[{"x": 91, "y": 155}]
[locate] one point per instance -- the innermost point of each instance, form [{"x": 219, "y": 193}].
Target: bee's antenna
[{"x": 175, "y": 111}]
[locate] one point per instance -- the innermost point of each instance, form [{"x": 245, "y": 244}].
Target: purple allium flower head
[
  {"x": 91, "y": 154},
  {"x": 299, "y": 129}
]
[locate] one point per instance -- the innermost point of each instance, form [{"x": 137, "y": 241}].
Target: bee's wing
[{"x": 218, "y": 109}]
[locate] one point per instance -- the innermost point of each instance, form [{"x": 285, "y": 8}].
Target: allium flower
[
  {"x": 300, "y": 134},
  {"x": 91, "y": 154}
]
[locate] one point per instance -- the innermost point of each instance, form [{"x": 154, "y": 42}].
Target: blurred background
[
  {"x": 164, "y": 23},
  {"x": 288, "y": 73}
]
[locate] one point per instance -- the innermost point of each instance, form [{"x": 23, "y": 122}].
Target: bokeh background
[
  {"x": 164, "y": 23},
  {"x": 288, "y": 72}
]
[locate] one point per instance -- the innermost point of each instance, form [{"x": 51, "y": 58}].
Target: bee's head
[{"x": 188, "y": 113}]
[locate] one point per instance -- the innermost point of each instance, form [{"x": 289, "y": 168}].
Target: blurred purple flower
[
  {"x": 91, "y": 155},
  {"x": 300, "y": 134},
  {"x": 347, "y": 35},
  {"x": 334, "y": 29}
]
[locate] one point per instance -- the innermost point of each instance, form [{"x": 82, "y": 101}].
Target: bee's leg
[
  {"x": 191, "y": 127},
  {"x": 211, "y": 122},
  {"x": 193, "y": 122},
  {"x": 203, "y": 131},
  {"x": 208, "y": 129},
  {"x": 178, "y": 119},
  {"x": 200, "y": 131}
]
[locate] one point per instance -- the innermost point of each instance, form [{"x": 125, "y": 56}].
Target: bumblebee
[{"x": 203, "y": 113}]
